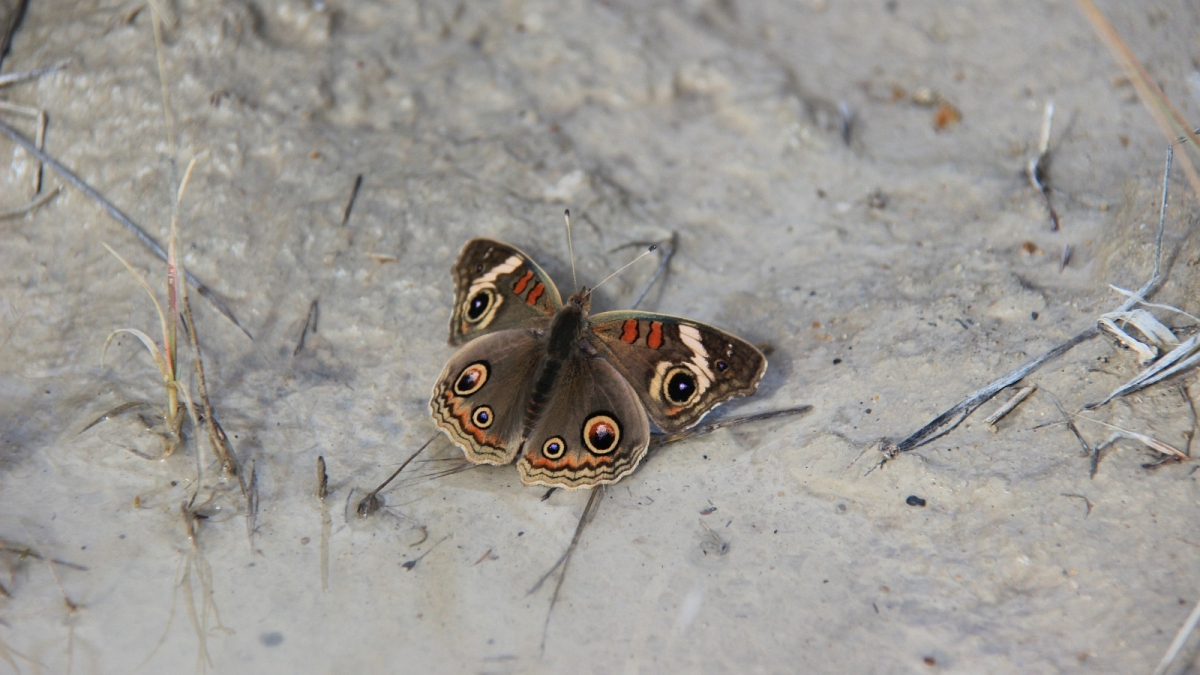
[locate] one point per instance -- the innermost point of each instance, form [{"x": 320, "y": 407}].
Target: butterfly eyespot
[
  {"x": 554, "y": 447},
  {"x": 472, "y": 378},
  {"x": 679, "y": 386},
  {"x": 601, "y": 433},
  {"x": 483, "y": 417},
  {"x": 478, "y": 268},
  {"x": 721, "y": 366},
  {"x": 479, "y": 304}
]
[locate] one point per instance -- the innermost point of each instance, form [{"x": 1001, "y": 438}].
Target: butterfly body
[{"x": 572, "y": 393}]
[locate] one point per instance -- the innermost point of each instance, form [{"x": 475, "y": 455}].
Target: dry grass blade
[
  {"x": 322, "y": 479},
  {"x": 1036, "y": 169},
  {"x": 1181, "y": 637},
  {"x": 1169, "y": 120},
  {"x": 114, "y": 412},
  {"x": 162, "y": 318},
  {"x": 1183, "y": 357},
  {"x": 1154, "y": 444},
  {"x": 12, "y": 78},
  {"x": 1147, "y": 324},
  {"x": 156, "y": 16},
  {"x": 310, "y": 322},
  {"x": 326, "y": 521},
  {"x": 700, "y": 430},
  {"x": 1130, "y": 294},
  {"x": 358, "y": 180},
  {"x": 29, "y": 552},
  {"x": 1146, "y": 353},
  {"x": 152, "y": 346},
  {"x": 165, "y": 358}
]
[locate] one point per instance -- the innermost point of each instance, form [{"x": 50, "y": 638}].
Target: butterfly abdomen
[
  {"x": 548, "y": 374},
  {"x": 565, "y": 331}
]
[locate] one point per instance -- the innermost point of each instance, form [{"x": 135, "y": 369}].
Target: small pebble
[{"x": 914, "y": 500}]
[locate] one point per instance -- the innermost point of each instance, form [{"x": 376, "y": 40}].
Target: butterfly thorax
[{"x": 566, "y": 328}]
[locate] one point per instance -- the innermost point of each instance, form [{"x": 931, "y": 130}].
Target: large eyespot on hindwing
[
  {"x": 483, "y": 417},
  {"x": 554, "y": 447},
  {"x": 601, "y": 433},
  {"x": 679, "y": 386},
  {"x": 472, "y": 378}
]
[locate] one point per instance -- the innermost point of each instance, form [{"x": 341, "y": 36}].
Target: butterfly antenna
[
  {"x": 571, "y": 248},
  {"x": 648, "y": 252}
]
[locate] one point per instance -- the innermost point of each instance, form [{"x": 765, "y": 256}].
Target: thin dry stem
[
  {"x": 30, "y": 206},
  {"x": 168, "y": 119},
  {"x": 589, "y": 512},
  {"x": 1010, "y": 405},
  {"x": 1181, "y": 637},
  {"x": 1169, "y": 120}
]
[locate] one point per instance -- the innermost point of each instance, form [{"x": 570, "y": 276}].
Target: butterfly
[{"x": 572, "y": 394}]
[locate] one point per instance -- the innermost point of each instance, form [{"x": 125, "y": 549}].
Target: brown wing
[
  {"x": 681, "y": 369},
  {"x": 498, "y": 287},
  {"x": 479, "y": 401},
  {"x": 593, "y": 430}
]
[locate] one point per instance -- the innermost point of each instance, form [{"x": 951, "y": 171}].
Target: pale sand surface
[{"x": 717, "y": 121}]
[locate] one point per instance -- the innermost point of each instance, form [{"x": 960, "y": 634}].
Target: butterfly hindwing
[
  {"x": 479, "y": 401},
  {"x": 681, "y": 369},
  {"x": 498, "y": 287},
  {"x": 592, "y": 431}
]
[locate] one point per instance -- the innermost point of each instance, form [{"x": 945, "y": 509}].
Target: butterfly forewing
[
  {"x": 681, "y": 369},
  {"x": 497, "y": 287}
]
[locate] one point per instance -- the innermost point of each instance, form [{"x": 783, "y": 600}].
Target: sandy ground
[{"x": 891, "y": 276}]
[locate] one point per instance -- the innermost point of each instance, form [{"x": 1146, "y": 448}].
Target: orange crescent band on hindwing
[
  {"x": 463, "y": 415},
  {"x": 572, "y": 464}
]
